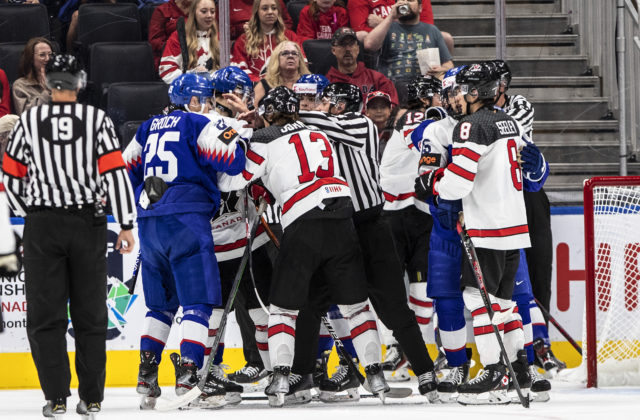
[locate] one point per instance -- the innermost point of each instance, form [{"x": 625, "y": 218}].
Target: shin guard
[
  {"x": 195, "y": 331},
  {"x": 341, "y": 327},
  {"x": 261, "y": 321},
  {"x": 452, "y": 326},
  {"x": 486, "y": 341},
  {"x": 513, "y": 331},
  {"x": 282, "y": 335},
  {"x": 422, "y": 306},
  {"x": 157, "y": 326},
  {"x": 364, "y": 332}
]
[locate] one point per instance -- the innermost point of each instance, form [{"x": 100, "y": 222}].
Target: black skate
[
  {"x": 232, "y": 390},
  {"x": 320, "y": 371},
  {"x": 428, "y": 386},
  {"x": 299, "y": 389},
  {"x": 249, "y": 374},
  {"x": 448, "y": 387},
  {"x": 212, "y": 396},
  {"x": 489, "y": 387},
  {"x": 55, "y": 408},
  {"x": 546, "y": 359},
  {"x": 148, "y": 380},
  {"x": 343, "y": 380},
  {"x": 521, "y": 366},
  {"x": 540, "y": 387},
  {"x": 186, "y": 374},
  {"x": 279, "y": 386},
  {"x": 375, "y": 379},
  {"x": 88, "y": 411}
]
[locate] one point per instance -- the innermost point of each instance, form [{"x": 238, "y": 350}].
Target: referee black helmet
[{"x": 64, "y": 72}]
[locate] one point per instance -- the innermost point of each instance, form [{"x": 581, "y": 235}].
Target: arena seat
[
  {"x": 21, "y": 22},
  {"x": 294, "y": 7},
  {"x": 127, "y": 132},
  {"x": 128, "y": 101},
  {"x": 106, "y": 22}
]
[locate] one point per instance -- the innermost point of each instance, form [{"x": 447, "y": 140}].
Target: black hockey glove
[
  {"x": 11, "y": 264},
  {"x": 425, "y": 182},
  {"x": 532, "y": 162}
]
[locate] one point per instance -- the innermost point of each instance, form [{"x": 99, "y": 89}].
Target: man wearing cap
[
  {"x": 378, "y": 109},
  {"x": 344, "y": 45}
]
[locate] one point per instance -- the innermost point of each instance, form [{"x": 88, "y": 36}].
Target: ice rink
[{"x": 568, "y": 401}]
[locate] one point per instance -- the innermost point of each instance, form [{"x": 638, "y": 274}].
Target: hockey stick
[
  {"x": 134, "y": 277},
  {"x": 472, "y": 257},
  {"x": 181, "y": 401},
  {"x": 559, "y": 327}
]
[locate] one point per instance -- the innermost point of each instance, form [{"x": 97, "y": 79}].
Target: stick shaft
[{"x": 558, "y": 327}]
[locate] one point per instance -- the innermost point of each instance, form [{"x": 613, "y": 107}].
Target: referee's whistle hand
[{"x": 125, "y": 241}]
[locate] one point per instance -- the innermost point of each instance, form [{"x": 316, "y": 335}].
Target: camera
[{"x": 404, "y": 9}]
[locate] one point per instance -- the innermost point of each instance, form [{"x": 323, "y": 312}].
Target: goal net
[{"x": 611, "y": 338}]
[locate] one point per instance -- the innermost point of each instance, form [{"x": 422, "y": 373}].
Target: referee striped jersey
[
  {"x": 355, "y": 139},
  {"x": 521, "y": 110},
  {"x": 66, "y": 154}
]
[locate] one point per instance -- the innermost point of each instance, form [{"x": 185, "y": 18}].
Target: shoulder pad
[{"x": 266, "y": 135}]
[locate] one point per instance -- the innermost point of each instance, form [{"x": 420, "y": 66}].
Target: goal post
[{"x": 612, "y": 263}]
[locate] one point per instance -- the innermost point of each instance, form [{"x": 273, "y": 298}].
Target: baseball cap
[
  {"x": 340, "y": 36},
  {"x": 378, "y": 95}
]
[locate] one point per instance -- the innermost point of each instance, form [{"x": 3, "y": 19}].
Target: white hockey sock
[
  {"x": 157, "y": 326},
  {"x": 282, "y": 335},
  {"x": 341, "y": 327},
  {"x": 513, "y": 331},
  {"x": 422, "y": 306},
  {"x": 214, "y": 323},
  {"x": 486, "y": 342},
  {"x": 364, "y": 332},
  {"x": 261, "y": 321},
  {"x": 454, "y": 341}
]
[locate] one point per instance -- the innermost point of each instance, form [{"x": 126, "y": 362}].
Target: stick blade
[{"x": 163, "y": 404}]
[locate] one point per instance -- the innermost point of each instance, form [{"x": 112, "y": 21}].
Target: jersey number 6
[{"x": 308, "y": 175}]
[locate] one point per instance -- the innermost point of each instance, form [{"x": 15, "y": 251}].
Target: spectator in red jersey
[
  {"x": 264, "y": 32},
  {"x": 365, "y": 15},
  {"x": 344, "y": 45},
  {"x": 163, "y": 24},
  {"x": 5, "y": 95},
  {"x": 240, "y": 14},
  {"x": 200, "y": 37},
  {"x": 320, "y": 19}
]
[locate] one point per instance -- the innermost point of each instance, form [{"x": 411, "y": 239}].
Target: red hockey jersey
[
  {"x": 324, "y": 26},
  {"x": 359, "y": 10}
]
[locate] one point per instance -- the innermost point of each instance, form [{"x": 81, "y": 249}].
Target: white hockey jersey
[
  {"x": 399, "y": 165},
  {"x": 485, "y": 174},
  {"x": 297, "y": 165}
]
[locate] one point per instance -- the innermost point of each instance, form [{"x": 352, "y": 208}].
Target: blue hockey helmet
[
  {"x": 190, "y": 84},
  {"x": 306, "y": 82},
  {"x": 448, "y": 90},
  {"x": 231, "y": 79}
]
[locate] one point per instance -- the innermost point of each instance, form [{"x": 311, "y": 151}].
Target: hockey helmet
[
  {"x": 310, "y": 84},
  {"x": 279, "y": 101},
  {"x": 423, "y": 87},
  {"x": 64, "y": 72},
  {"x": 478, "y": 77},
  {"x": 190, "y": 84},
  {"x": 231, "y": 79},
  {"x": 347, "y": 93},
  {"x": 503, "y": 72}
]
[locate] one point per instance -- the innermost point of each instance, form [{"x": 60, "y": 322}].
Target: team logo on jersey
[
  {"x": 228, "y": 135},
  {"x": 430, "y": 159}
]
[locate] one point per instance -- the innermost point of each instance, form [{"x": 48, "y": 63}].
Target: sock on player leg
[
  {"x": 452, "y": 326},
  {"x": 195, "y": 331},
  {"x": 157, "y": 325},
  {"x": 282, "y": 335},
  {"x": 261, "y": 320},
  {"x": 486, "y": 341},
  {"x": 422, "y": 306},
  {"x": 364, "y": 332}
]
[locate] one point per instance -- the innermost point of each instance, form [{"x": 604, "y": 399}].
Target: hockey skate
[
  {"x": 375, "y": 379},
  {"x": 343, "y": 380},
  {"x": 428, "y": 386},
  {"x": 448, "y": 387},
  {"x": 213, "y": 395},
  {"x": 320, "y": 371},
  {"x": 540, "y": 387},
  {"x": 88, "y": 411},
  {"x": 546, "y": 359},
  {"x": 521, "y": 367},
  {"x": 233, "y": 391},
  {"x": 440, "y": 364},
  {"x": 186, "y": 374},
  {"x": 279, "y": 386},
  {"x": 299, "y": 389},
  {"x": 395, "y": 365},
  {"x": 148, "y": 380},
  {"x": 489, "y": 387},
  {"x": 55, "y": 408}
]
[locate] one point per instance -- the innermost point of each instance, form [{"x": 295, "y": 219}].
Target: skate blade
[
  {"x": 397, "y": 375},
  {"x": 352, "y": 394},
  {"x": 447, "y": 397},
  {"x": 433, "y": 397},
  {"x": 213, "y": 402},
  {"x": 233, "y": 398},
  {"x": 298, "y": 398},
  {"x": 90, "y": 416},
  {"x": 542, "y": 396},
  {"x": 276, "y": 400},
  {"x": 257, "y": 386},
  {"x": 147, "y": 403},
  {"x": 485, "y": 398},
  {"x": 58, "y": 416}
]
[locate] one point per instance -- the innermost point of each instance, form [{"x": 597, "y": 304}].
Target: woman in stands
[
  {"x": 194, "y": 46},
  {"x": 31, "y": 88},
  {"x": 163, "y": 24},
  {"x": 264, "y": 32},
  {"x": 320, "y": 19},
  {"x": 283, "y": 71},
  {"x": 241, "y": 13}
]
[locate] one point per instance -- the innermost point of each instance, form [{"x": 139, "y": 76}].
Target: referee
[
  {"x": 358, "y": 162},
  {"x": 62, "y": 162}
]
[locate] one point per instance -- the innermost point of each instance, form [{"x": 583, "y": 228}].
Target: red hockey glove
[{"x": 257, "y": 191}]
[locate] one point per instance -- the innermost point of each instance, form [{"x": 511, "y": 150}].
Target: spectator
[
  {"x": 320, "y": 19},
  {"x": 285, "y": 71},
  {"x": 5, "y": 94},
  {"x": 344, "y": 45},
  {"x": 378, "y": 109},
  {"x": 241, "y": 13},
  {"x": 163, "y": 24},
  {"x": 200, "y": 36},
  {"x": 31, "y": 88},
  {"x": 399, "y": 42},
  {"x": 264, "y": 32}
]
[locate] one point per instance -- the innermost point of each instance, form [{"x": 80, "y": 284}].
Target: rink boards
[{"x": 126, "y": 312}]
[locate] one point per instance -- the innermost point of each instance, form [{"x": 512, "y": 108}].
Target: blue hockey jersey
[{"x": 186, "y": 150}]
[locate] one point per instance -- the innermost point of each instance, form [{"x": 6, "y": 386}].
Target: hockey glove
[
  {"x": 447, "y": 213},
  {"x": 425, "y": 182},
  {"x": 257, "y": 191},
  {"x": 533, "y": 163},
  {"x": 11, "y": 264}
]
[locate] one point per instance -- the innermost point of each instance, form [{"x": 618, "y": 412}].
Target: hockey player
[
  {"x": 173, "y": 163},
  {"x": 297, "y": 165},
  {"x": 485, "y": 146},
  {"x": 308, "y": 89},
  {"x": 358, "y": 160},
  {"x": 408, "y": 217}
]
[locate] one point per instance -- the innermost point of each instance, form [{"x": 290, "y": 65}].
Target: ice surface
[{"x": 568, "y": 401}]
